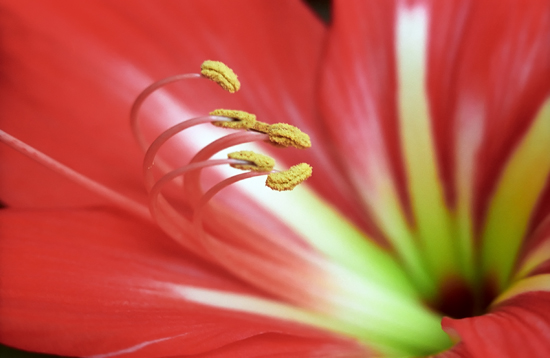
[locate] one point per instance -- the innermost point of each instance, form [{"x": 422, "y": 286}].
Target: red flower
[{"x": 430, "y": 124}]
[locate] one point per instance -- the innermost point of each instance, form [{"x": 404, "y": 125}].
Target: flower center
[
  {"x": 354, "y": 302},
  {"x": 458, "y": 299}
]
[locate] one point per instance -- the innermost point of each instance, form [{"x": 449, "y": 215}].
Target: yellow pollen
[
  {"x": 221, "y": 74},
  {"x": 290, "y": 178},
  {"x": 244, "y": 120},
  {"x": 258, "y": 162},
  {"x": 261, "y": 127},
  {"x": 285, "y": 135}
]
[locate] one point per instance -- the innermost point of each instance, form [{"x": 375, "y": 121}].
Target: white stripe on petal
[
  {"x": 331, "y": 233},
  {"x": 136, "y": 348},
  {"x": 380, "y": 331},
  {"x": 425, "y": 187}
]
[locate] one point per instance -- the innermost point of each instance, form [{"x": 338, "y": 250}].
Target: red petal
[
  {"x": 276, "y": 345},
  {"x": 95, "y": 59},
  {"x": 542, "y": 211},
  {"x": 495, "y": 57},
  {"x": 458, "y": 351},
  {"x": 489, "y": 61},
  {"x": 86, "y": 283},
  {"x": 535, "y": 256},
  {"x": 57, "y": 96},
  {"x": 502, "y": 64},
  {"x": 73, "y": 71},
  {"x": 519, "y": 327},
  {"x": 358, "y": 92},
  {"x": 486, "y": 77}
]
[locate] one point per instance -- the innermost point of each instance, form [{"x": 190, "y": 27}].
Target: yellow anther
[
  {"x": 285, "y": 135},
  {"x": 221, "y": 74},
  {"x": 244, "y": 120},
  {"x": 261, "y": 127},
  {"x": 258, "y": 162},
  {"x": 288, "y": 179}
]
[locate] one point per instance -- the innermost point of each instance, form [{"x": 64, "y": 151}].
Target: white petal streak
[
  {"x": 256, "y": 306},
  {"x": 378, "y": 330},
  {"x": 135, "y": 348},
  {"x": 424, "y": 184}
]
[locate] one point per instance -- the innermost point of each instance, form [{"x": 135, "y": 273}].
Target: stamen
[
  {"x": 199, "y": 208},
  {"x": 290, "y": 178},
  {"x": 213, "y": 70},
  {"x": 150, "y": 155},
  {"x": 257, "y": 162},
  {"x": 156, "y": 189},
  {"x": 176, "y": 222},
  {"x": 294, "y": 175},
  {"x": 172, "y": 221},
  {"x": 221, "y": 74},
  {"x": 261, "y": 127},
  {"x": 286, "y": 135},
  {"x": 116, "y": 198},
  {"x": 243, "y": 120},
  {"x": 192, "y": 186}
]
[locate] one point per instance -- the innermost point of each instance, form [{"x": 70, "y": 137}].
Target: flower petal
[
  {"x": 358, "y": 100},
  {"x": 487, "y": 64},
  {"x": 96, "y": 58},
  {"x": 510, "y": 209},
  {"x": 535, "y": 256},
  {"x": 84, "y": 283},
  {"x": 57, "y": 95},
  {"x": 518, "y": 327},
  {"x": 440, "y": 139},
  {"x": 518, "y": 323},
  {"x": 277, "y": 345},
  {"x": 87, "y": 79},
  {"x": 413, "y": 24}
]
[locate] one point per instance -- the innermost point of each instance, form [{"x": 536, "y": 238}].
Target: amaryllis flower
[{"x": 424, "y": 230}]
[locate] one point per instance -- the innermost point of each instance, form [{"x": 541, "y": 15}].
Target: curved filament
[
  {"x": 172, "y": 221},
  {"x": 150, "y": 155},
  {"x": 134, "y": 123},
  {"x": 193, "y": 191}
]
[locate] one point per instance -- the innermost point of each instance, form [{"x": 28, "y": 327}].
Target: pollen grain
[{"x": 261, "y": 127}]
